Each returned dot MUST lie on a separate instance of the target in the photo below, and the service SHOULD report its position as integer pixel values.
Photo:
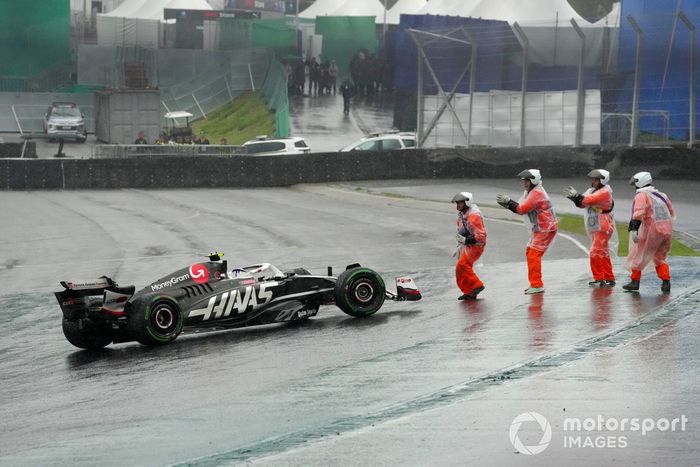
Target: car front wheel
(359, 292)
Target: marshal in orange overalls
(600, 227)
(538, 208)
(471, 222)
(656, 214)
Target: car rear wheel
(359, 292)
(86, 334)
(157, 323)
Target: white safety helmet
(465, 196)
(601, 174)
(641, 179)
(533, 175)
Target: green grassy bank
(239, 121)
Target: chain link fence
(625, 80)
(196, 81)
(275, 93)
(26, 112)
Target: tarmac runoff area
(420, 383)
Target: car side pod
(406, 290)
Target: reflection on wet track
(298, 393)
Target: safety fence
(495, 119)
(54, 77)
(122, 151)
(25, 112)
(275, 93)
(204, 94)
(196, 81)
(626, 79)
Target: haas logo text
(235, 302)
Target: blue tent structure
(609, 63)
(450, 58)
(665, 62)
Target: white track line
(491, 219)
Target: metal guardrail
(121, 151)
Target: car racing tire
(156, 323)
(359, 292)
(85, 334)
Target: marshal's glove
(634, 230)
(465, 240)
(507, 203)
(634, 235)
(503, 200)
(571, 193)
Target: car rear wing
(103, 294)
(81, 288)
(406, 290)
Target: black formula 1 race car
(97, 313)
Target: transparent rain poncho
(655, 211)
(599, 223)
(538, 208)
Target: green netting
(274, 34)
(34, 36)
(79, 88)
(269, 33)
(343, 36)
(274, 91)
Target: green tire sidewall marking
(147, 316)
(349, 281)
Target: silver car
(264, 146)
(65, 120)
(389, 141)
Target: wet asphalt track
(432, 382)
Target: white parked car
(383, 142)
(262, 145)
(65, 120)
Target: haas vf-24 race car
(97, 313)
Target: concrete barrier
(15, 150)
(266, 171)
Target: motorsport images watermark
(594, 432)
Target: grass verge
(570, 223)
(239, 121)
(574, 224)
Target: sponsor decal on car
(406, 283)
(199, 273)
(235, 302)
(170, 282)
(82, 285)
